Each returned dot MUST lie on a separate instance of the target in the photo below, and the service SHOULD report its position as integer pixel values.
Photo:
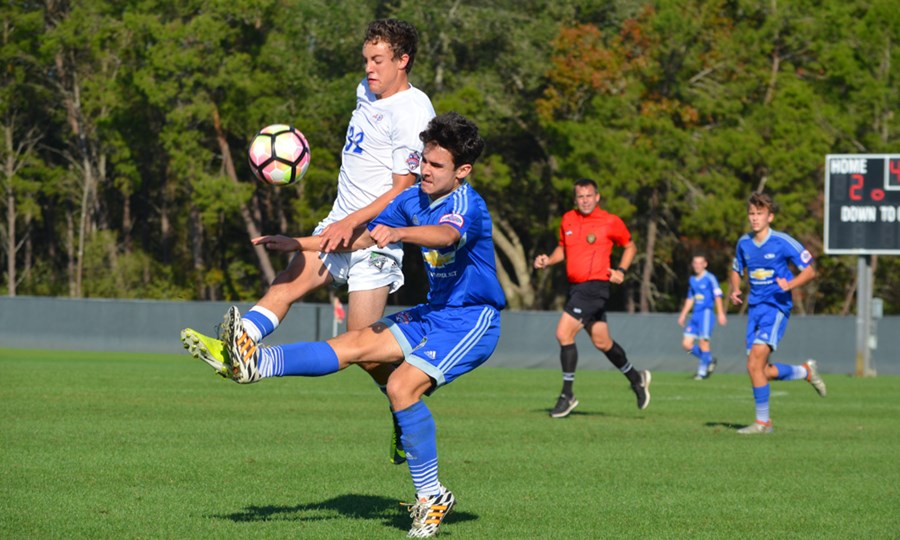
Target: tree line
(126, 124)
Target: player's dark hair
(457, 134)
(585, 182)
(400, 35)
(762, 200)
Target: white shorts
(365, 269)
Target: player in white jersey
(380, 159)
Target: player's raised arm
(339, 234)
(280, 242)
(429, 236)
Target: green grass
(100, 445)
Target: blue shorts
(766, 325)
(701, 325)
(447, 342)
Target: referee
(587, 235)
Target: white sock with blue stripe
(259, 322)
(788, 372)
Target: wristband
(620, 269)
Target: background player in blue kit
(704, 294)
(455, 332)
(764, 255)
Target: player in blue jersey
(764, 255)
(455, 332)
(704, 295)
(379, 161)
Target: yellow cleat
(209, 349)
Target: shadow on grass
(353, 506)
(546, 412)
(724, 425)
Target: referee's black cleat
(564, 405)
(642, 390)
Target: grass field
(100, 445)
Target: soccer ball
(279, 155)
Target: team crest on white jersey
(413, 160)
(377, 117)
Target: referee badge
(591, 238)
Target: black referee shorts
(587, 301)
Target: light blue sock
(311, 359)
(705, 361)
(790, 373)
(420, 442)
(761, 397)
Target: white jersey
(382, 139)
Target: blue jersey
(463, 274)
(704, 289)
(767, 261)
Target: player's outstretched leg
(429, 512)
(242, 349)
(208, 349)
(642, 390)
(813, 377)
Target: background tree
(126, 125)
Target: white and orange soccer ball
(279, 155)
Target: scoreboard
(862, 204)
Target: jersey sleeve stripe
(789, 239)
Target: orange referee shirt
(588, 242)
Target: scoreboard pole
(864, 316)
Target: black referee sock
(568, 358)
(616, 355)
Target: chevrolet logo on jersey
(761, 274)
(699, 297)
(435, 259)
